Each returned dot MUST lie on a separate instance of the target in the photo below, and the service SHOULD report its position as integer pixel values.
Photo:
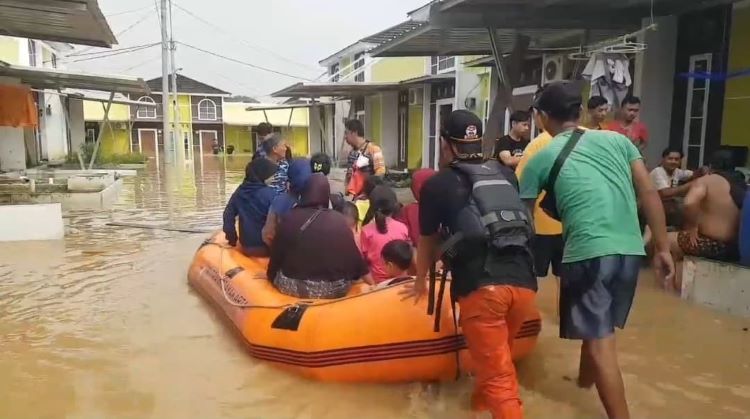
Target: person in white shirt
(672, 181)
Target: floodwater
(104, 325)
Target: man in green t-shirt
(596, 200)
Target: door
(696, 112)
(147, 142)
(207, 141)
(443, 109)
(403, 129)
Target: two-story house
(139, 129)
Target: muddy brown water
(104, 325)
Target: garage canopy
(74, 21)
(49, 78)
(460, 27)
(351, 89)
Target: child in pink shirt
(381, 231)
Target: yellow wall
(398, 69)
(236, 114)
(114, 142)
(9, 50)
(93, 111)
(414, 142)
(240, 137)
(344, 68)
(736, 111)
(186, 111)
(374, 119)
(297, 138)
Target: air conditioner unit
(122, 125)
(416, 96)
(553, 68)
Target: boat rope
(224, 279)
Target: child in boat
(384, 229)
(250, 203)
(398, 256)
(351, 213)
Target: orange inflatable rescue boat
(370, 335)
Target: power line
(234, 60)
(144, 62)
(119, 52)
(235, 37)
(136, 23)
(106, 52)
(128, 11)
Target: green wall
(415, 136)
(114, 142)
(737, 93)
(373, 127)
(297, 138)
(240, 137)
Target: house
(692, 77)
(49, 141)
(399, 99)
(139, 129)
(205, 116)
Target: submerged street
(104, 324)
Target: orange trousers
(485, 316)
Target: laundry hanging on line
(610, 76)
(17, 108)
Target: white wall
(389, 128)
(54, 131)
(31, 222)
(12, 149)
(12, 146)
(341, 114)
(654, 83)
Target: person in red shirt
(628, 124)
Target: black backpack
(494, 214)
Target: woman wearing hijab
(300, 266)
(250, 202)
(299, 173)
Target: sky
(287, 36)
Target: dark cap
(556, 99)
(462, 126)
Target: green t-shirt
(595, 194)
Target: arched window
(207, 110)
(146, 112)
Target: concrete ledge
(721, 286)
(70, 172)
(98, 200)
(31, 222)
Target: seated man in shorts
(712, 215)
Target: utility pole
(179, 143)
(166, 129)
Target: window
(143, 112)
(334, 73)
(359, 108)
(441, 64)
(32, 53)
(359, 62)
(207, 110)
(54, 60)
(90, 135)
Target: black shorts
(596, 295)
(548, 250)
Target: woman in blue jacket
(250, 202)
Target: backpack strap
(567, 149)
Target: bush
(131, 158)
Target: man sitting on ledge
(712, 215)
